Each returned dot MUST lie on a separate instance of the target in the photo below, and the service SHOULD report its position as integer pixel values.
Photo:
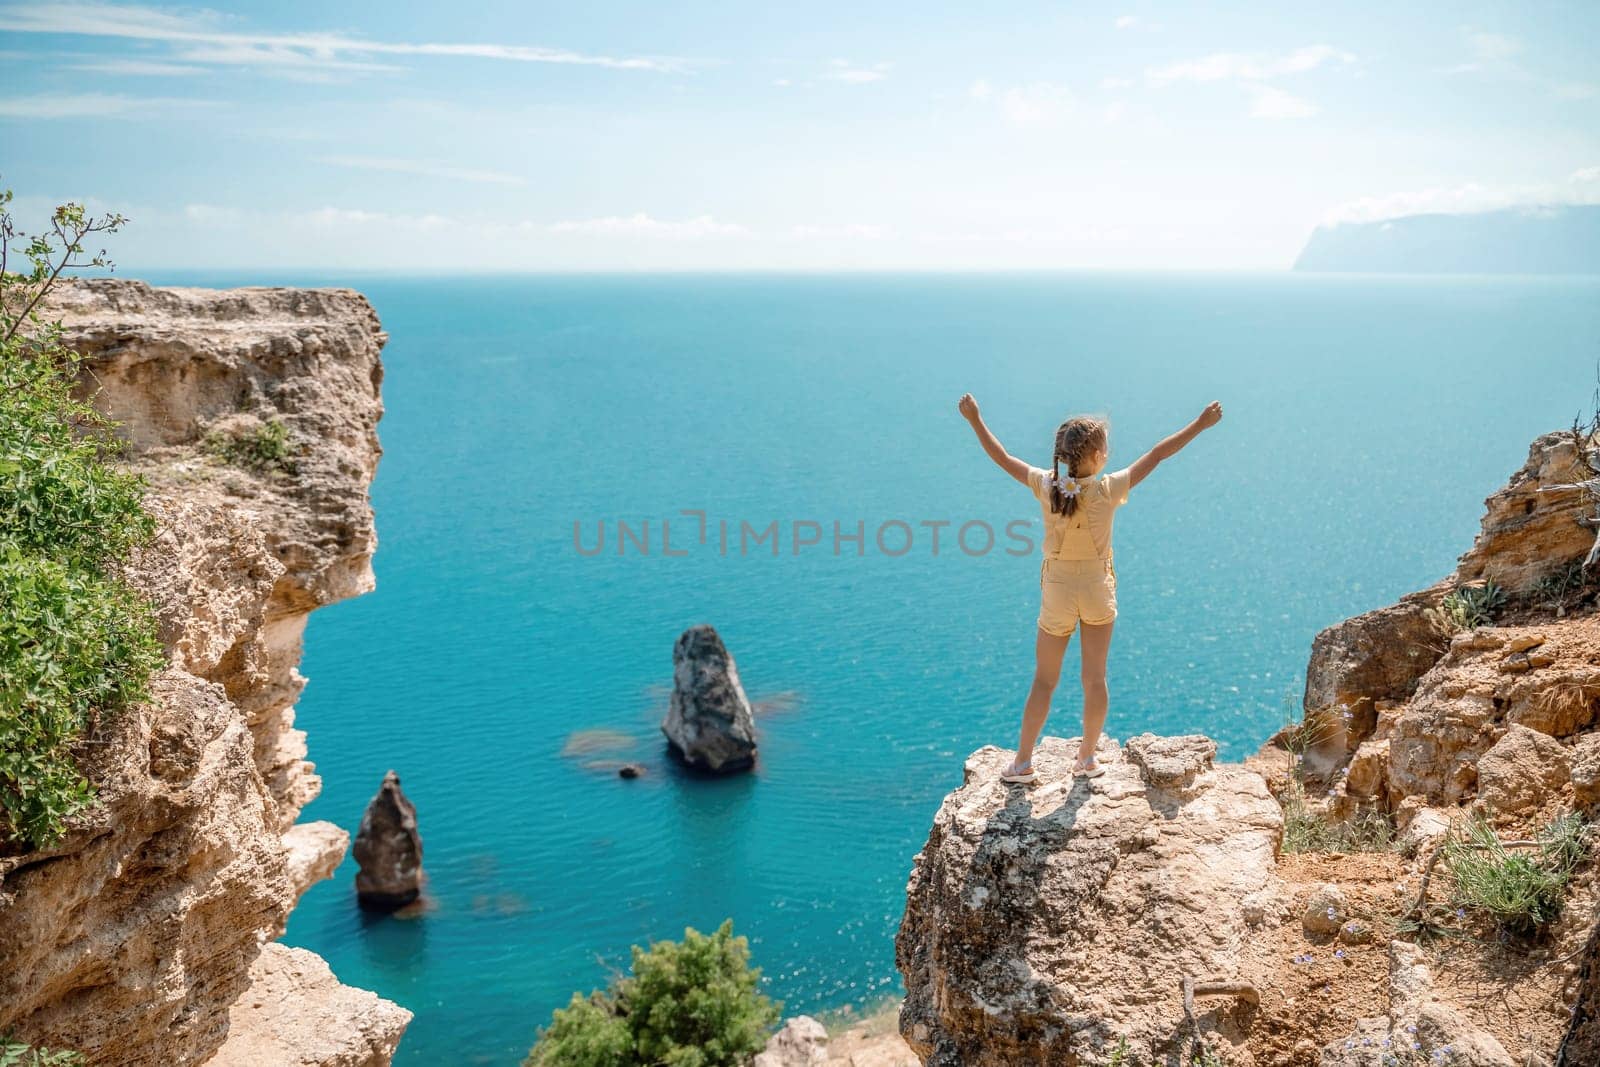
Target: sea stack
(708, 723)
(389, 850)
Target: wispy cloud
(1268, 102)
(1034, 104)
(139, 68)
(643, 225)
(848, 232)
(96, 105)
(1579, 187)
(203, 38)
(842, 70)
(1255, 73)
(1135, 22)
(1234, 66)
(1495, 55)
(423, 168)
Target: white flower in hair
(1067, 485)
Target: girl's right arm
(997, 452)
(1171, 446)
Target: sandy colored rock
(315, 850)
(799, 1042)
(1017, 896)
(1324, 911)
(295, 1013)
(130, 940)
(1521, 771)
(1526, 533)
(1585, 774)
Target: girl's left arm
(991, 444)
(1171, 446)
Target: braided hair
(1077, 440)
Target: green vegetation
(686, 1004)
(1467, 607)
(75, 641)
(16, 1054)
(1308, 828)
(1523, 889)
(265, 448)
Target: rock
(1037, 929)
(1368, 770)
(1375, 656)
(1521, 771)
(1324, 912)
(132, 938)
(297, 1014)
(315, 849)
(389, 850)
(1585, 773)
(801, 1042)
(1523, 642)
(1356, 932)
(1425, 829)
(630, 770)
(1172, 763)
(1526, 533)
(709, 724)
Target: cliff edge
(145, 937)
(1177, 903)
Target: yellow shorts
(1073, 589)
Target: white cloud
(95, 105)
(1579, 187)
(423, 168)
(1493, 47)
(643, 225)
(1234, 66)
(1035, 104)
(857, 232)
(1127, 22)
(1271, 103)
(1116, 83)
(138, 68)
(201, 38)
(841, 70)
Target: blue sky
(598, 135)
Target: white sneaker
(1088, 768)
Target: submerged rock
(389, 850)
(708, 725)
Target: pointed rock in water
(708, 723)
(389, 850)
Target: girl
(1077, 581)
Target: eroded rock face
(1043, 924)
(709, 724)
(389, 850)
(1529, 529)
(131, 939)
(800, 1042)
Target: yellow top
(1086, 533)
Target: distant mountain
(1562, 239)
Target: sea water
(503, 666)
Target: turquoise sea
(1366, 420)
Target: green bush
(686, 1004)
(1467, 607)
(75, 641)
(1522, 890)
(264, 449)
(15, 1054)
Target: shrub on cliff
(75, 641)
(686, 1004)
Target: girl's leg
(1096, 697)
(1047, 653)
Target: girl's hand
(1211, 415)
(968, 407)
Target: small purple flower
(1338, 953)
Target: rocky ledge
(1128, 918)
(145, 936)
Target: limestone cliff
(1128, 918)
(144, 936)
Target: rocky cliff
(145, 937)
(1142, 916)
